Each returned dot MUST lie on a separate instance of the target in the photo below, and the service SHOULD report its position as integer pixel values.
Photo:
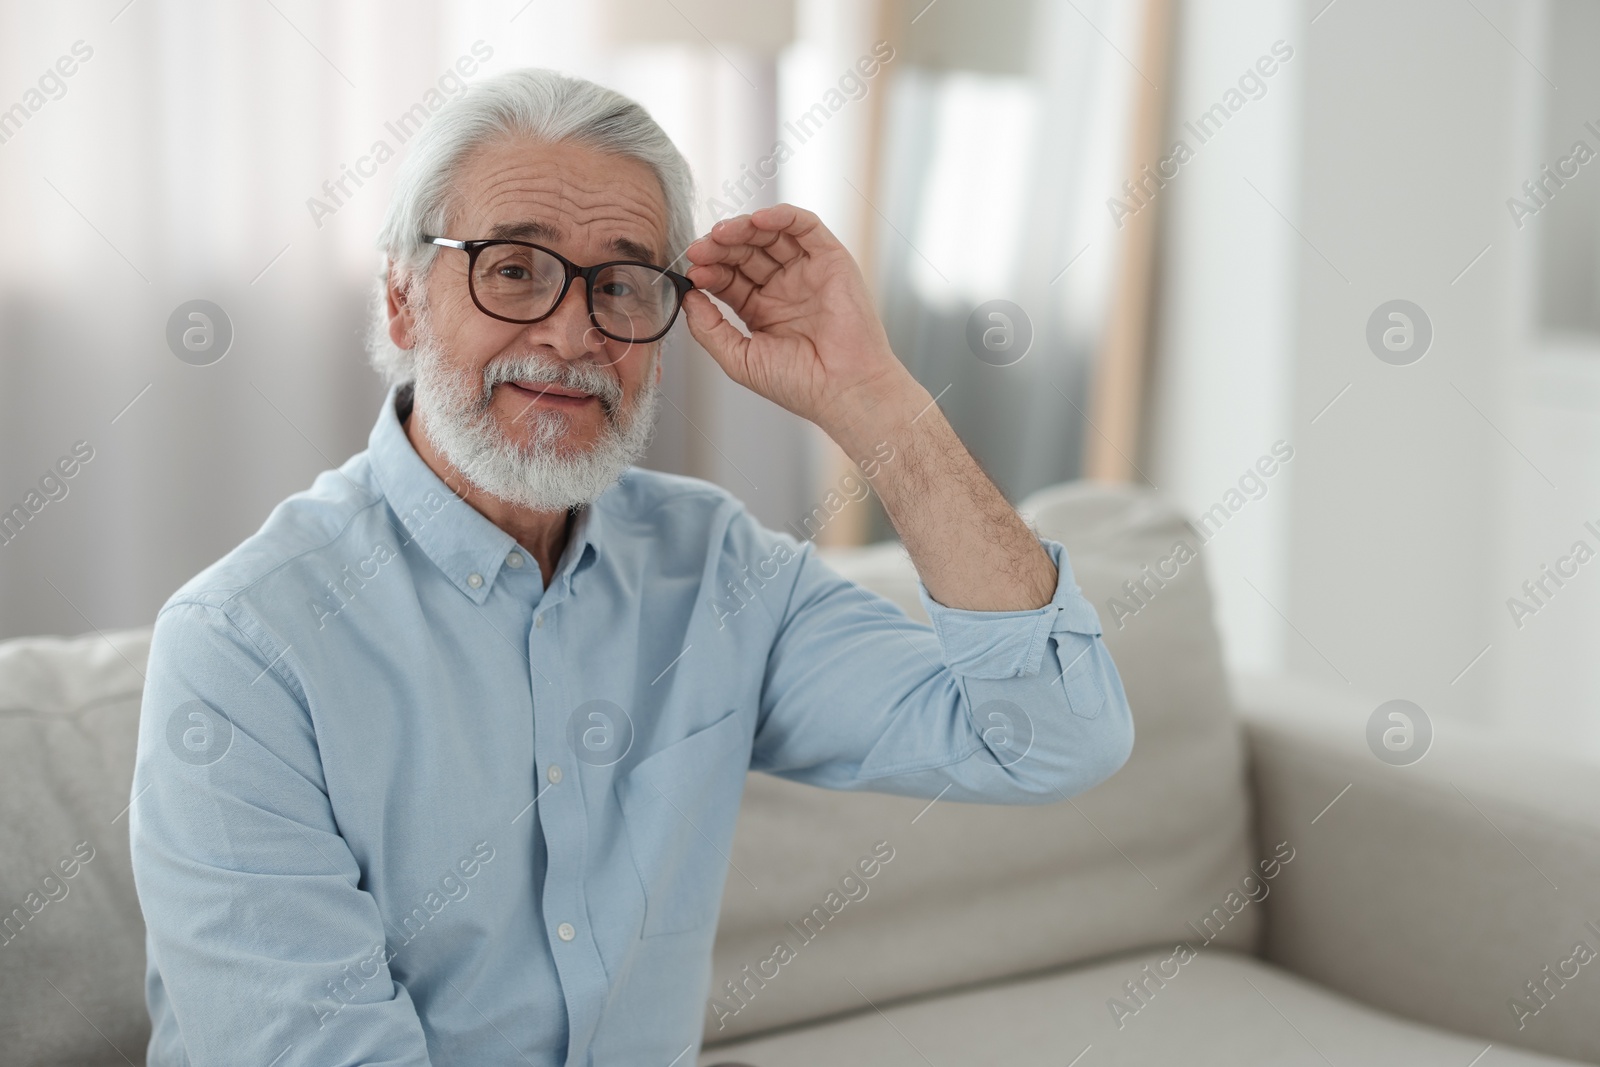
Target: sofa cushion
(72, 943)
(977, 892)
(1218, 1008)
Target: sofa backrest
(71, 937)
(977, 892)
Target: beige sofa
(1255, 887)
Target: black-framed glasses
(518, 281)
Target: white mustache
(583, 377)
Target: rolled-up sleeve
(1010, 707)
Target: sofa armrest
(1462, 890)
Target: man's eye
(514, 273)
(616, 289)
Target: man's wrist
(878, 412)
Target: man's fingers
(718, 243)
(730, 286)
(783, 247)
(742, 230)
(778, 244)
(803, 226)
(713, 277)
(757, 265)
(784, 231)
(749, 258)
(716, 334)
(752, 259)
(737, 230)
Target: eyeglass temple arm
(447, 242)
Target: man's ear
(402, 320)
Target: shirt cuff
(1010, 644)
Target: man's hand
(816, 347)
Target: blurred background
(1352, 241)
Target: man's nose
(574, 336)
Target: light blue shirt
(400, 801)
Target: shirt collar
(458, 538)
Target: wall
(1409, 118)
(1222, 367)
(1376, 167)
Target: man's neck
(543, 534)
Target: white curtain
(240, 153)
(243, 153)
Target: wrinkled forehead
(587, 204)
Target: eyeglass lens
(630, 300)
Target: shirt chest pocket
(679, 806)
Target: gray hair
(539, 104)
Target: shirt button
(538, 624)
(565, 932)
(554, 774)
(474, 579)
(514, 560)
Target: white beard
(546, 474)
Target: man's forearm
(815, 347)
(971, 548)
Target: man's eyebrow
(522, 231)
(536, 230)
(632, 250)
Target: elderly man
(441, 766)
